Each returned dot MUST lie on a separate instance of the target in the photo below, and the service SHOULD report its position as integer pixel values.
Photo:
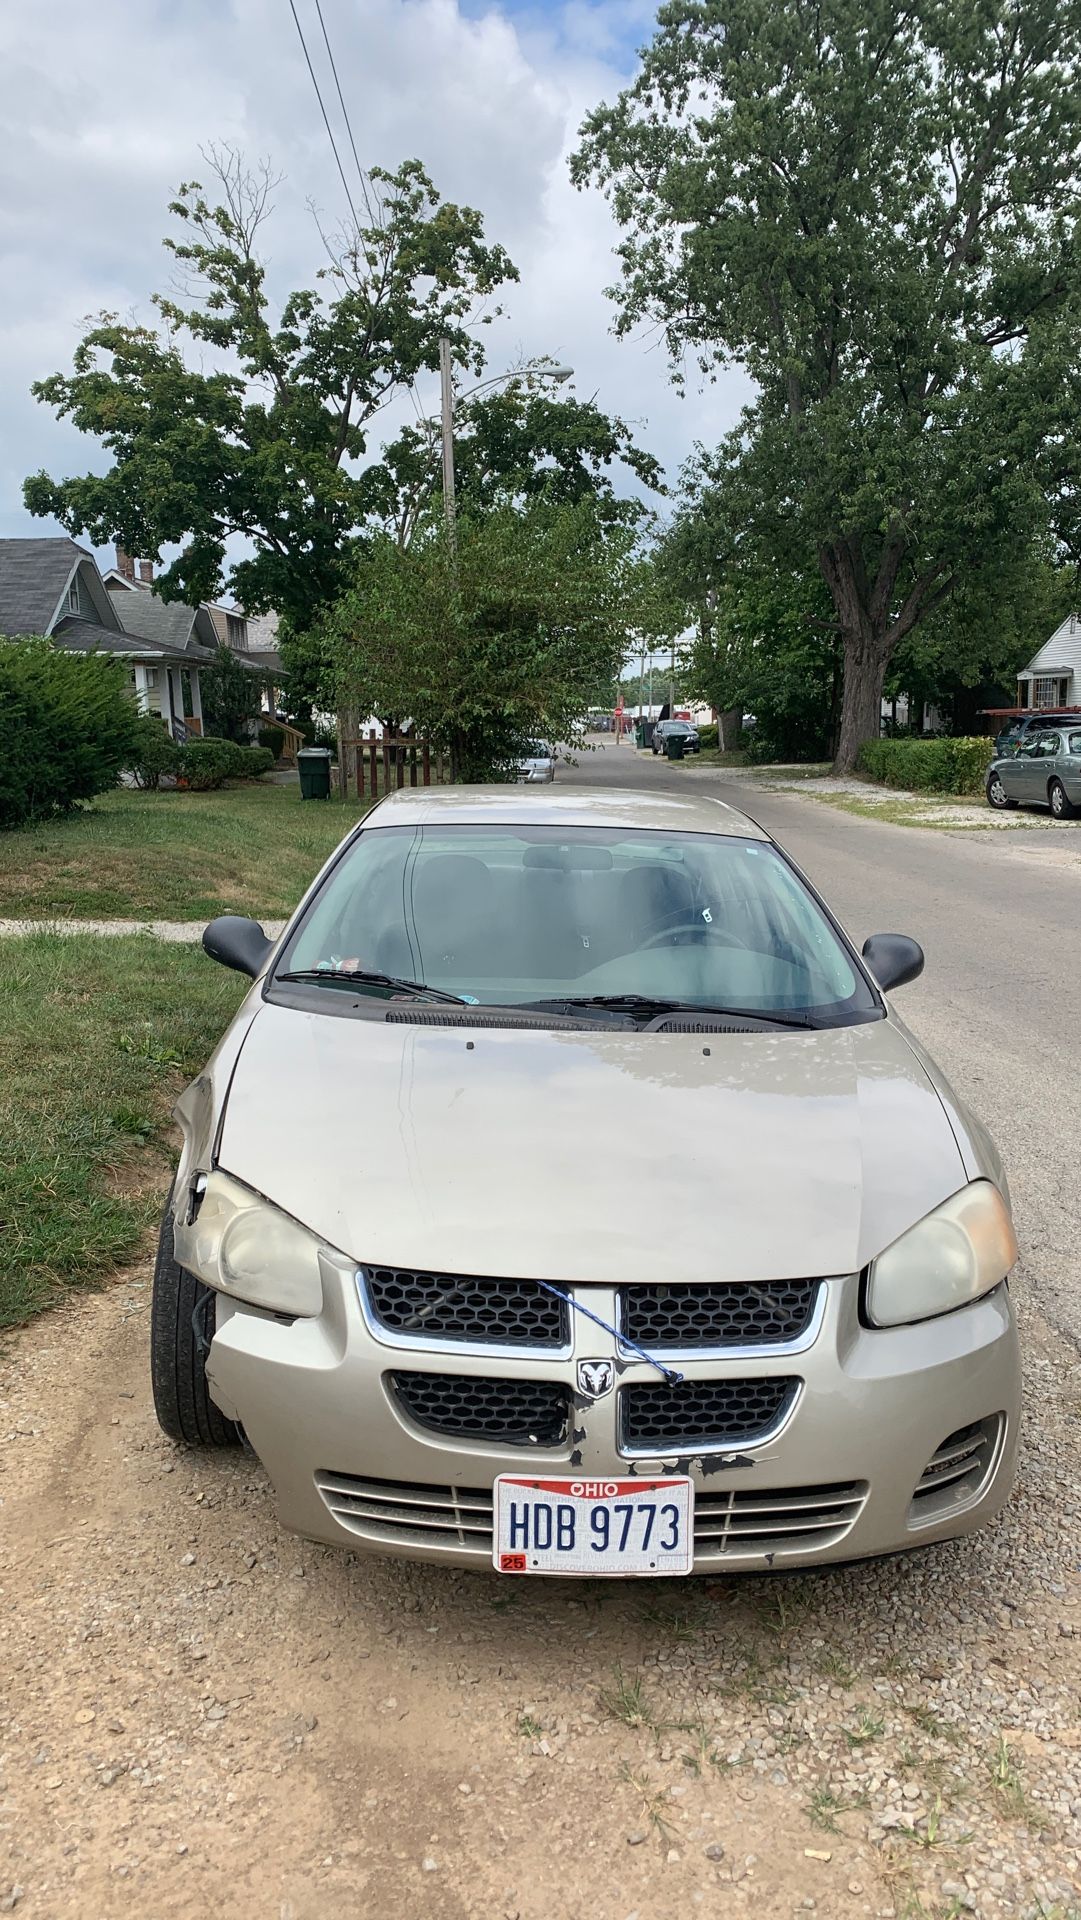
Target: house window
(75, 605)
(1045, 691)
(236, 631)
(151, 674)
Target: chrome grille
(693, 1414)
(776, 1520)
(956, 1471)
(683, 1317)
(444, 1306)
(769, 1520)
(515, 1413)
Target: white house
(1053, 677)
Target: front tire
(1062, 807)
(182, 1400)
(996, 794)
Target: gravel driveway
(202, 1714)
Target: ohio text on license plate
(593, 1526)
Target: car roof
(660, 812)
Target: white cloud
(104, 110)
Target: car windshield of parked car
(1073, 743)
(507, 915)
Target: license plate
(593, 1526)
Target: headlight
(242, 1245)
(960, 1251)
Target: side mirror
(237, 943)
(893, 958)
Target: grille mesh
(703, 1413)
(778, 1521)
(720, 1316)
(451, 1307)
(517, 1413)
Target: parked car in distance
(540, 763)
(1045, 771)
(1026, 724)
(462, 1307)
(664, 730)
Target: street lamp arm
(446, 416)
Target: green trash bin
(313, 764)
(676, 745)
(640, 734)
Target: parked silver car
(566, 1196)
(1045, 771)
(539, 764)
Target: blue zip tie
(670, 1373)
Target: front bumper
(837, 1480)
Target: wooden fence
(374, 764)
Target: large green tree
(515, 446)
(485, 642)
(872, 206)
(236, 420)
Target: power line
(345, 110)
(323, 111)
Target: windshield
(508, 915)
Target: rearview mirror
(237, 943)
(893, 958)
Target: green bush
(928, 766)
(255, 761)
(273, 739)
(209, 762)
(204, 764)
(155, 751)
(67, 724)
(708, 736)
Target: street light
(446, 387)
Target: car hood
(586, 1156)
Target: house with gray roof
(52, 586)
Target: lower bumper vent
(776, 1521)
(957, 1471)
(513, 1413)
(704, 1413)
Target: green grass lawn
(97, 1037)
(173, 856)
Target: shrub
(155, 751)
(708, 736)
(209, 762)
(67, 723)
(273, 739)
(928, 766)
(254, 762)
(203, 764)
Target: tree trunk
(348, 729)
(729, 724)
(866, 656)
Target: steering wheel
(704, 929)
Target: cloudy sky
(104, 110)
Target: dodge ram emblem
(596, 1377)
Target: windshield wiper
(363, 977)
(649, 1007)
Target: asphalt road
(999, 918)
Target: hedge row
(928, 766)
(67, 726)
(199, 764)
